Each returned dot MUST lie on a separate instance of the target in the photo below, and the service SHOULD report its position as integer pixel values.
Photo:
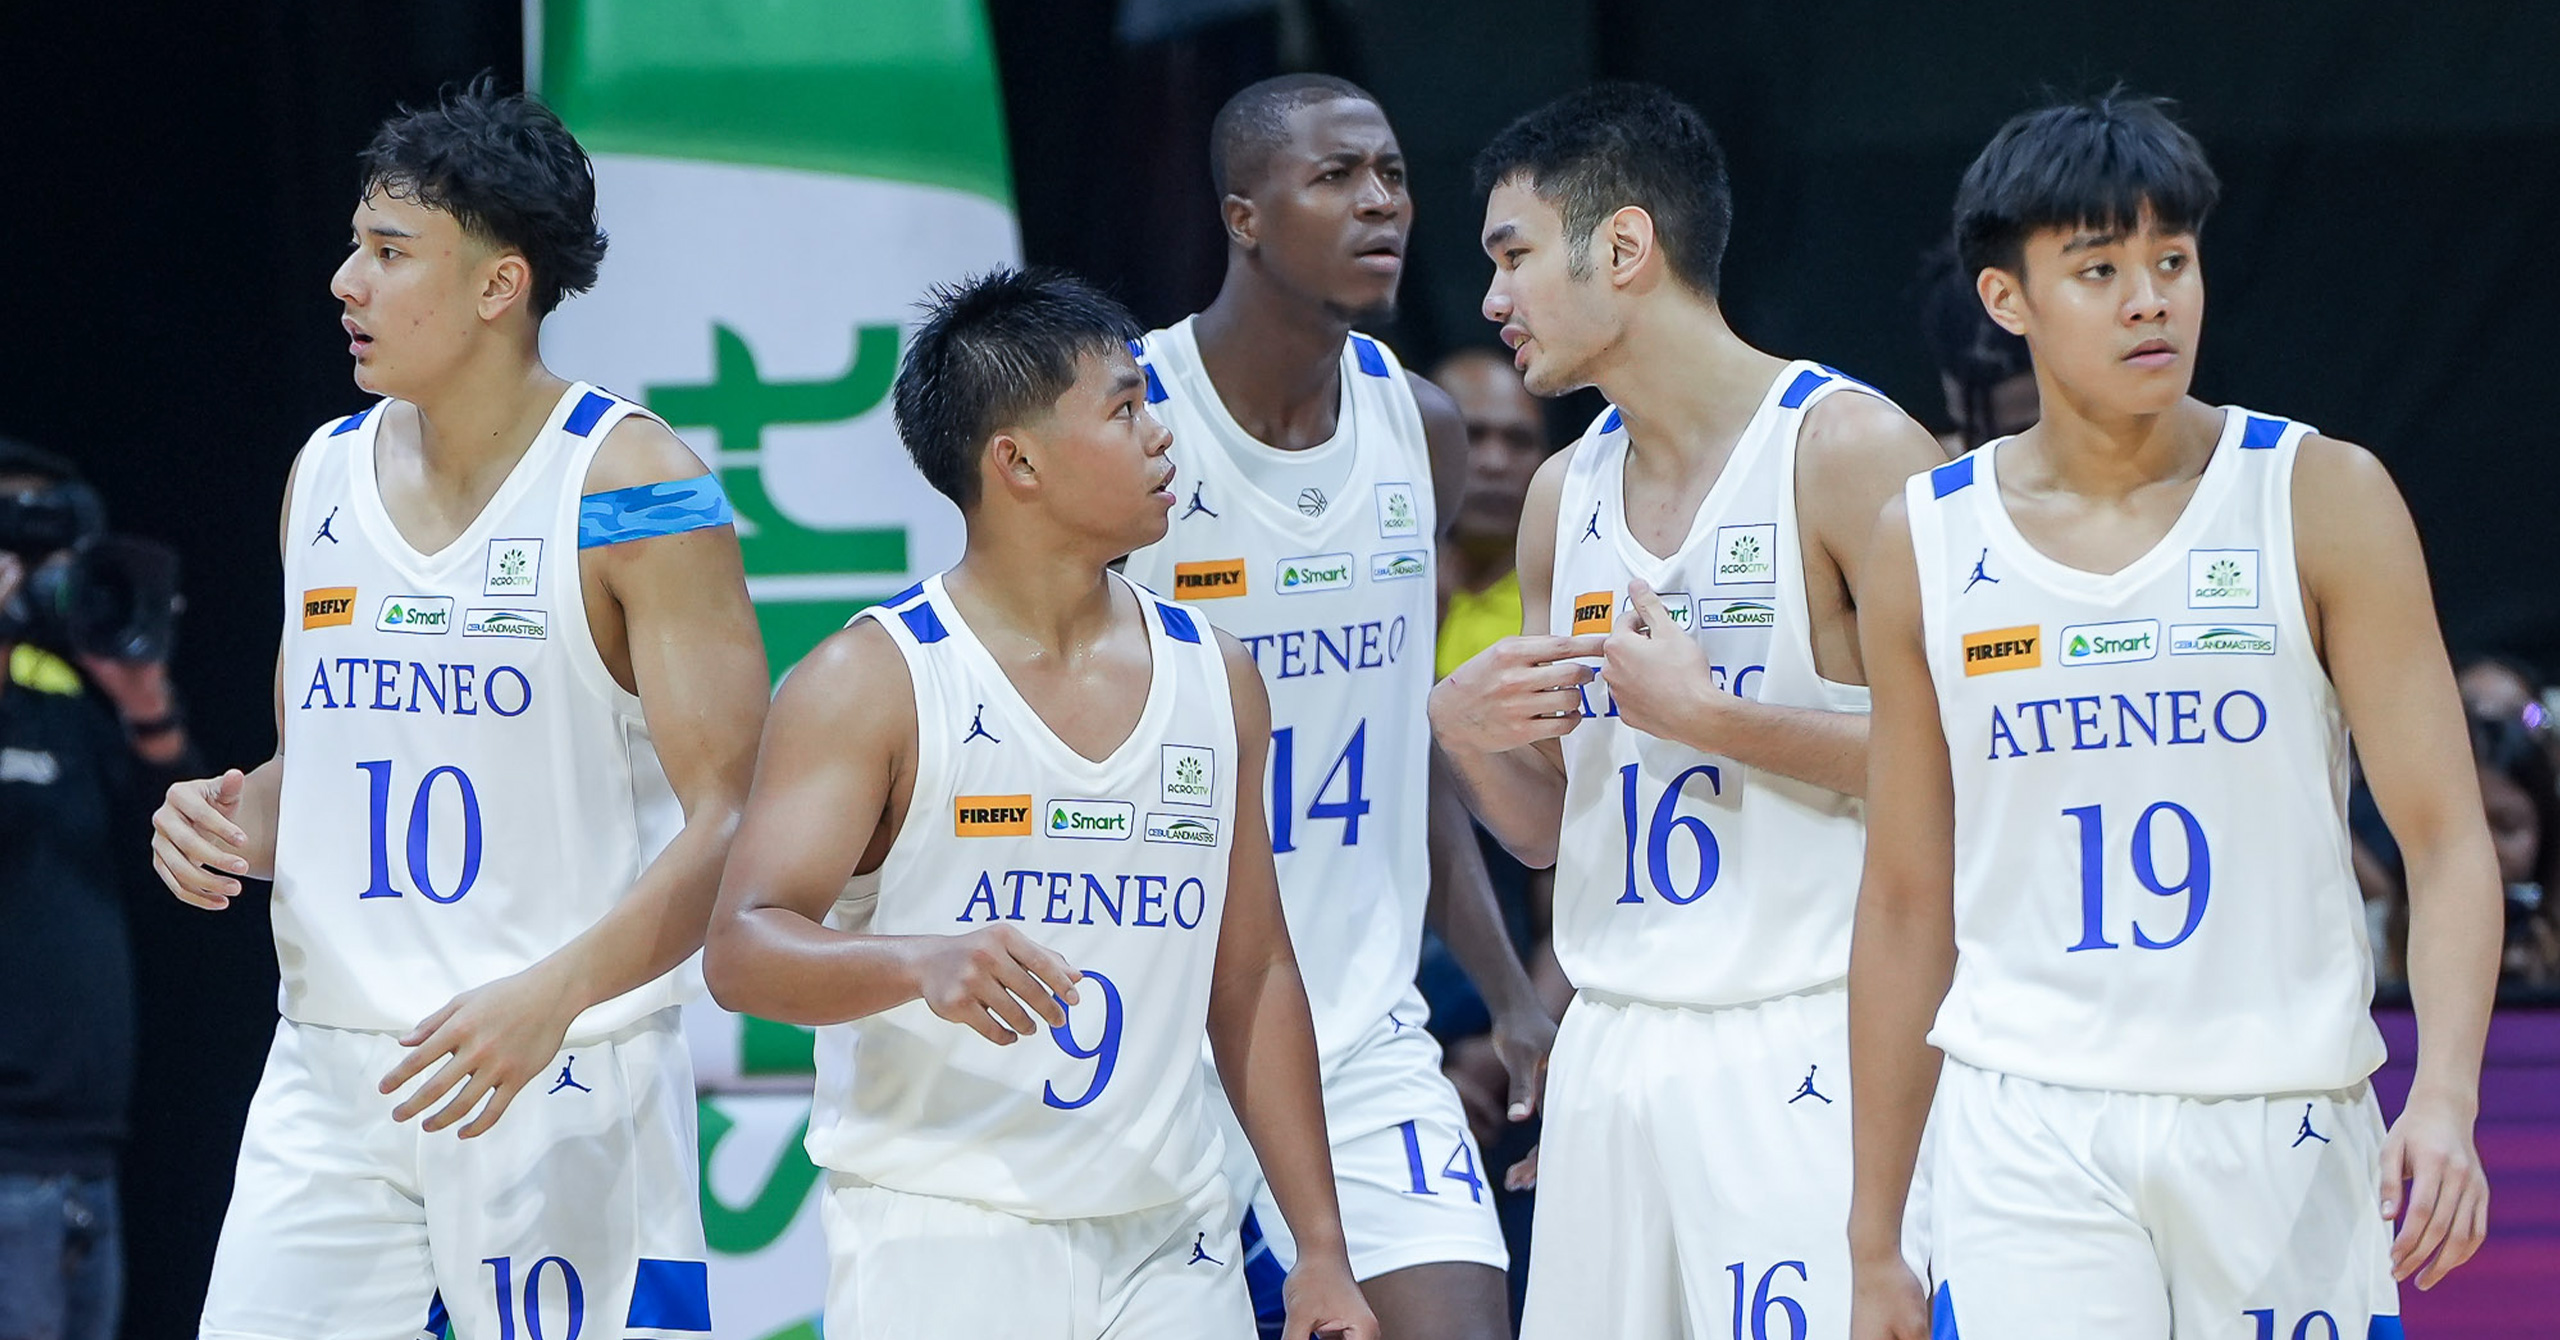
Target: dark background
(179, 178)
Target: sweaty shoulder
(1245, 687)
(640, 450)
(1856, 433)
(855, 683)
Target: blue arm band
(650, 510)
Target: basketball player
(518, 697)
(1315, 465)
(2113, 683)
(1699, 799)
(1052, 778)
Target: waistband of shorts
(670, 1019)
(2348, 1093)
(1837, 986)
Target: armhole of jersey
(1928, 555)
(2292, 615)
(572, 601)
(1400, 377)
(1842, 695)
(933, 787)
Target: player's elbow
(728, 972)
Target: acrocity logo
(1746, 555)
(2222, 578)
(1209, 579)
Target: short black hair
(2093, 163)
(19, 459)
(1255, 123)
(995, 350)
(1595, 151)
(507, 170)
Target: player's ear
(507, 282)
(1242, 224)
(1629, 235)
(1008, 463)
(2003, 297)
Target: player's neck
(485, 415)
(1274, 359)
(1685, 383)
(1015, 593)
(2082, 447)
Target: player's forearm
(776, 964)
(2456, 919)
(1264, 1042)
(1901, 959)
(1517, 794)
(1470, 916)
(659, 923)
(1826, 749)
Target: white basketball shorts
(578, 1213)
(2125, 1216)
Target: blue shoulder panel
(646, 511)
(1155, 389)
(1366, 350)
(1863, 386)
(349, 423)
(1177, 623)
(671, 1296)
(1800, 389)
(591, 407)
(1951, 476)
(923, 622)
(1609, 422)
(2261, 433)
(904, 596)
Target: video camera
(86, 592)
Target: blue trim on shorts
(646, 511)
(1942, 1314)
(672, 1296)
(437, 1318)
(2384, 1328)
(1263, 1278)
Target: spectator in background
(77, 777)
(2501, 688)
(2517, 789)
(1983, 370)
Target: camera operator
(90, 734)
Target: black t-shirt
(71, 815)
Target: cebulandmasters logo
(1996, 649)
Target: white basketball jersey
(1685, 878)
(1335, 598)
(2152, 890)
(1119, 866)
(466, 788)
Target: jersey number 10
(378, 805)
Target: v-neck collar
(1273, 512)
(1737, 464)
(376, 518)
(1063, 756)
(2179, 537)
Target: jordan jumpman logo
(1592, 530)
(1806, 1089)
(978, 728)
(1200, 1252)
(1979, 574)
(325, 533)
(1198, 508)
(567, 1080)
(2306, 1133)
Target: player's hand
(493, 1039)
(1523, 1176)
(1659, 676)
(1522, 1037)
(196, 848)
(995, 981)
(1323, 1300)
(1519, 690)
(2430, 1155)
(1886, 1302)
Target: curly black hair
(507, 170)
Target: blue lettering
(1199, 903)
(1395, 639)
(351, 664)
(1150, 894)
(1111, 900)
(1293, 654)
(1370, 659)
(463, 675)
(319, 687)
(386, 680)
(2225, 731)
(2044, 736)
(1341, 654)
(1019, 878)
(2084, 718)
(1060, 885)
(984, 893)
(422, 687)
(1742, 681)
(489, 690)
(1253, 645)
(2125, 713)
(2000, 731)
(2186, 707)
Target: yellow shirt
(1476, 620)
